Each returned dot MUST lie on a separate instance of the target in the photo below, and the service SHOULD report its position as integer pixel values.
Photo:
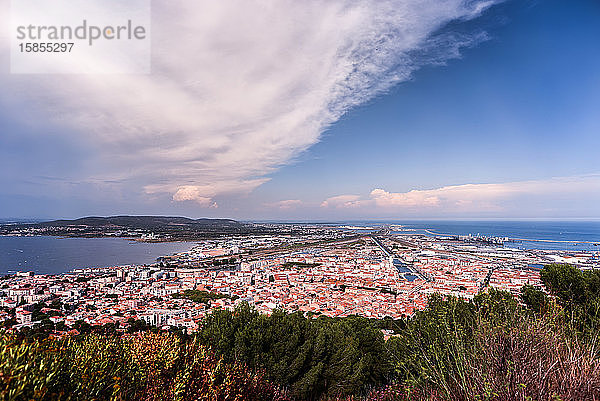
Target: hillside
(543, 346)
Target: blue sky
(470, 111)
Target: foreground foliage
(142, 367)
(311, 357)
(494, 347)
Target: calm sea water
(53, 255)
(565, 234)
(559, 231)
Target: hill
(157, 228)
(141, 222)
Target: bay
(55, 255)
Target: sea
(55, 255)
(578, 236)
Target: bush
(312, 357)
(141, 367)
(578, 292)
(491, 348)
(534, 298)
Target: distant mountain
(143, 222)
(163, 227)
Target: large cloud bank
(239, 88)
(533, 197)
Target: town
(331, 272)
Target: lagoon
(55, 255)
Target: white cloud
(239, 88)
(410, 199)
(286, 204)
(477, 198)
(342, 201)
(193, 193)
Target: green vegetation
(223, 262)
(541, 346)
(535, 299)
(578, 292)
(495, 348)
(311, 357)
(299, 265)
(201, 296)
(140, 367)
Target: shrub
(147, 366)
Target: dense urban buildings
(332, 272)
